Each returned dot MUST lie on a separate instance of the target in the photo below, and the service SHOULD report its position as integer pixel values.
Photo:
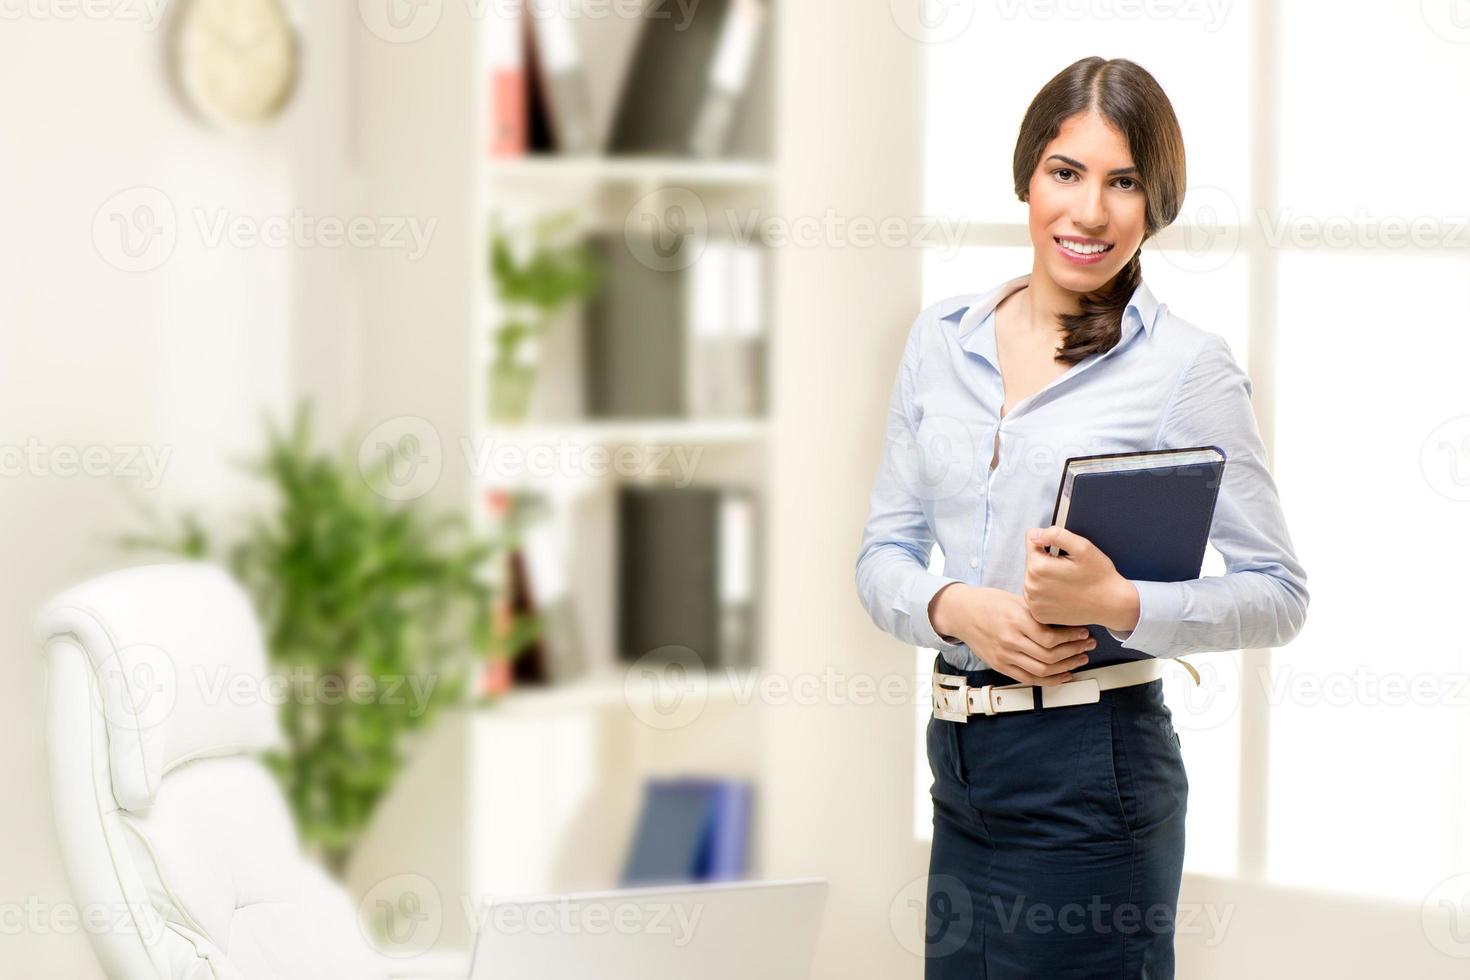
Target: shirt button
(974, 562)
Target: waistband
(1146, 694)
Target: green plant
(531, 289)
(377, 611)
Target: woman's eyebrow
(1083, 167)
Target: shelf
(609, 689)
(629, 432)
(651, 171)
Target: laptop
(715, 931)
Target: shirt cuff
(921, 593)
(1160, 608)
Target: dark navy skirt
(1058, 840)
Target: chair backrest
(177, 840)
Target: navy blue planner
(1150, 512)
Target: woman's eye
(1132, 184)
(1061, 172)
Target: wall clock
(236, 62)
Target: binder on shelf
(690, 830)
(633, 346)
(667, 81)
(540, 137)
(724, 323)
(505, 72)
(497, 673)
(1150, 512)
(729, 76)
(562, 77)
(686, 573)
(561, 649)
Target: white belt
(955, 700)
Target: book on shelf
(505, 70)
(685, 79)
(685, 343)
(728, 78)
(538, 97)
(633, 342)
(686, 559)
(680, 94)
(560, 649)
(724, 325)
(534, 621)
(497, 672)
(691, 829)
(563, 77)
(540, 136)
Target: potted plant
(536, 272)
(358, 593)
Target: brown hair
(1130, 98)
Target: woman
(1058, 820)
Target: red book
(506, 74)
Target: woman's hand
(1000, 630)
(1079, 589)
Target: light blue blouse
(1166, 384)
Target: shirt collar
(977, 331)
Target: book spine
(729, 75)
(563, 76)
(506, 74)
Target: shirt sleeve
(893, 577)
(1261, 600)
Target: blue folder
(690, 830)
(1153, 521)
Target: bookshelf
(557, 173)
(539, 792)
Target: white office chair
(170, 827)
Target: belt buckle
(947, 690)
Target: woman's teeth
(1082, 249)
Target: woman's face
(1085, 192)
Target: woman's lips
(1072, 256)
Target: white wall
(183, 359)
(840, 776)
